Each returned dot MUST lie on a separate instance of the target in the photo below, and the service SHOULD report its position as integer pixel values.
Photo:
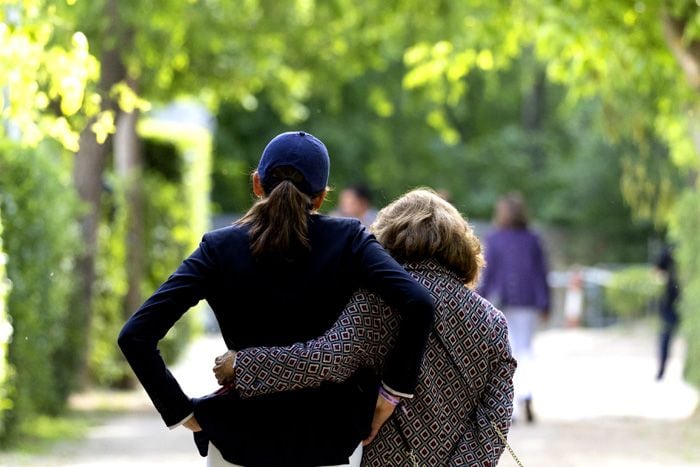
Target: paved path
(138, 437)
(598, 404)
(596, 400)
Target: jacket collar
(431, 265)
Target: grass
(691, 435)
(41, 433)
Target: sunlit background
(129, 128)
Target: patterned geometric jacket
(465, 381)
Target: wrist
(395, 393)
(390, 398)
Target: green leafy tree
(640, 60)
(46, 72)
(687, 254)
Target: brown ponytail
(279, 222)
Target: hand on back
(224, 370)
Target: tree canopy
(46, 69)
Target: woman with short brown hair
(464, 394)
(422, 225)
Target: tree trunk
(87, 176)
(688, 56)
(534, 106)
(128, 159)
(88, 167)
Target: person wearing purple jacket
(515, 280)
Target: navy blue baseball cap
(299, 150)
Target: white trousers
(522, 324)
(215, 459)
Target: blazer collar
(431, 265)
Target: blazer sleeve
(139, 337)
(352, 342)
(496, 404)
(411, 300)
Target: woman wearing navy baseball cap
(281, 274)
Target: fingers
(220, 378)
(192, 424)
(218, 373)
(220, 359)
(223, 367)
(221, 373)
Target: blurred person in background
(666, 267)
(574, 298)
(465, 389)
(515, 280)
(279, 275)
(356, 201)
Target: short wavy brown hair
(420, 225)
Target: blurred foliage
(231, 51)
(41, 239)
(631, 291)
(5, 336)
(577, 182)
(177, 210)
(176, 183)
(685, 228)
(106, 364)
(41, 433)
(169, 240)
(615, 52)
(46, 72)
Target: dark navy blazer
(272, 302)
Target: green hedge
(685, 231)
(631, 290)
(105, 363)
(5, 335)
(41, 239)
(168, 241)
(169, 238)
(177, 210)
(176, 190)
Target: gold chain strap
(510, 450)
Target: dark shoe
(660, 374)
